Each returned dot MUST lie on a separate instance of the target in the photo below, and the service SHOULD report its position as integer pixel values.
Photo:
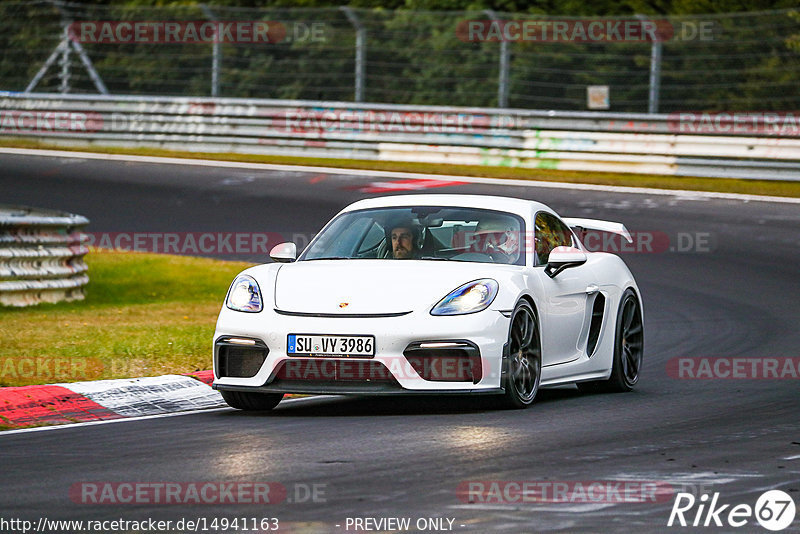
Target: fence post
(655, 72)
(216, 52)
(502, 79)
(63, 61)
(361, 45)
(655, 77)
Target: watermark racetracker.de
(200, 492)
(51, 121)
(196, 32)
(755, 123)
(592, 30)
(734, 368)
(56, 369)
(563, 491)
(375, 121)
(229, 243)
(205, 243)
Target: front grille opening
(598, 310)
(325, 375)
(462, 364)
(240, 362)
(331, 370)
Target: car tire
(522, 370)
(628, 349)
(244, 400)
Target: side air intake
(598, 310)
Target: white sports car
(432, 294)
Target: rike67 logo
(774, 510)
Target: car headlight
(472, 297)
(244, 296)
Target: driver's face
(402, 243)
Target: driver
(403, 237)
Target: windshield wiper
(329, 258)
(434, 258)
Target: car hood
(369, 286)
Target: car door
(565, 296)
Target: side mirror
(284, 253)
(561, 258)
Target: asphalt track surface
(736, 296)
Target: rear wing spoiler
(602, 226)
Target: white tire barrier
(41, 256)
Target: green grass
(144, 315)
(723, 185)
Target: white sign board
(597, 97)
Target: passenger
(499, 238)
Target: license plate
(338, 346)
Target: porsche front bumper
(414, 353)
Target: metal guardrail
(41, 256)
(577, 141)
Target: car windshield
(422, 233)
